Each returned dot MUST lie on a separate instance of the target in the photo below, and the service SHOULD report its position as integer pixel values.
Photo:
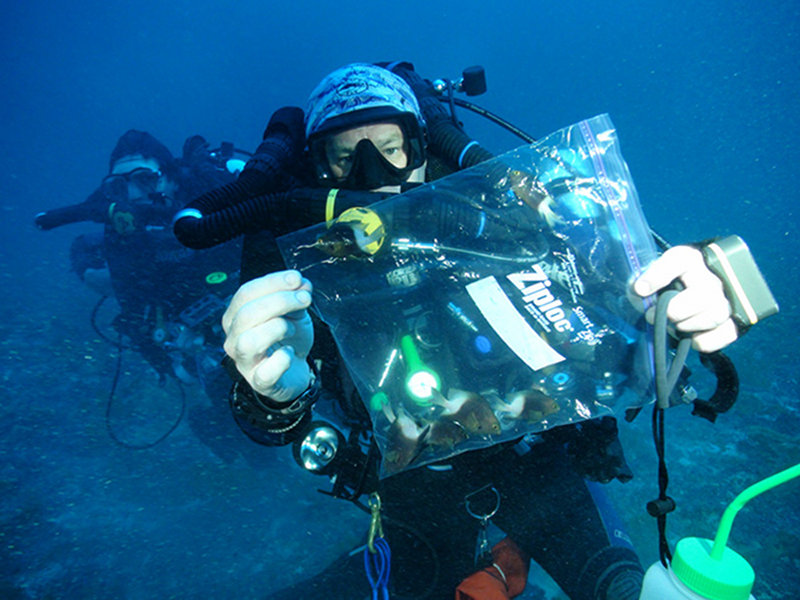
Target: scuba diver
(169, 297)
(371, 131)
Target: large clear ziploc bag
(492, 303)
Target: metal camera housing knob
(317, 450)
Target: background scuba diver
(352, 122)
(169, 297)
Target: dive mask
(116, 187)
(369, 168)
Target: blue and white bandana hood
(341, 95)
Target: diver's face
(387, 138)
(139, 179)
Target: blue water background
(705, 99)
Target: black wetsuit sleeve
(94, 208)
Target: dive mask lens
(414, 135)
(370, 169)
(319, 159)
(145, 179)
(117, 187)
(367, 168)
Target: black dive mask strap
(372, 170)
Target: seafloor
(206, 513)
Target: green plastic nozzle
(713, 570)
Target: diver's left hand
(701, 309)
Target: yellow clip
(329, 206)
(375, 527)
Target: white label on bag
(510, 325)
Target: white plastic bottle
(694, 574)
(704, 569)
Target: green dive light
(421, 380)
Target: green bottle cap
(710, 568)
(729, 577)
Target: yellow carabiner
(375, 526)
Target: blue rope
(377, 567)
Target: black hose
(267, 171)
(456, 146)
(666, 377)
(228, 211)
(109, 427)
(217, 221)
(93, 319)
(496, 119)
(445, 138)
(726, 391)
(117, 371)
(223, 214)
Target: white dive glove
(701, 308)
(269, 334)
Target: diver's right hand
(269, 334)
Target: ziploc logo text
(510, 325)
(539, 300)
